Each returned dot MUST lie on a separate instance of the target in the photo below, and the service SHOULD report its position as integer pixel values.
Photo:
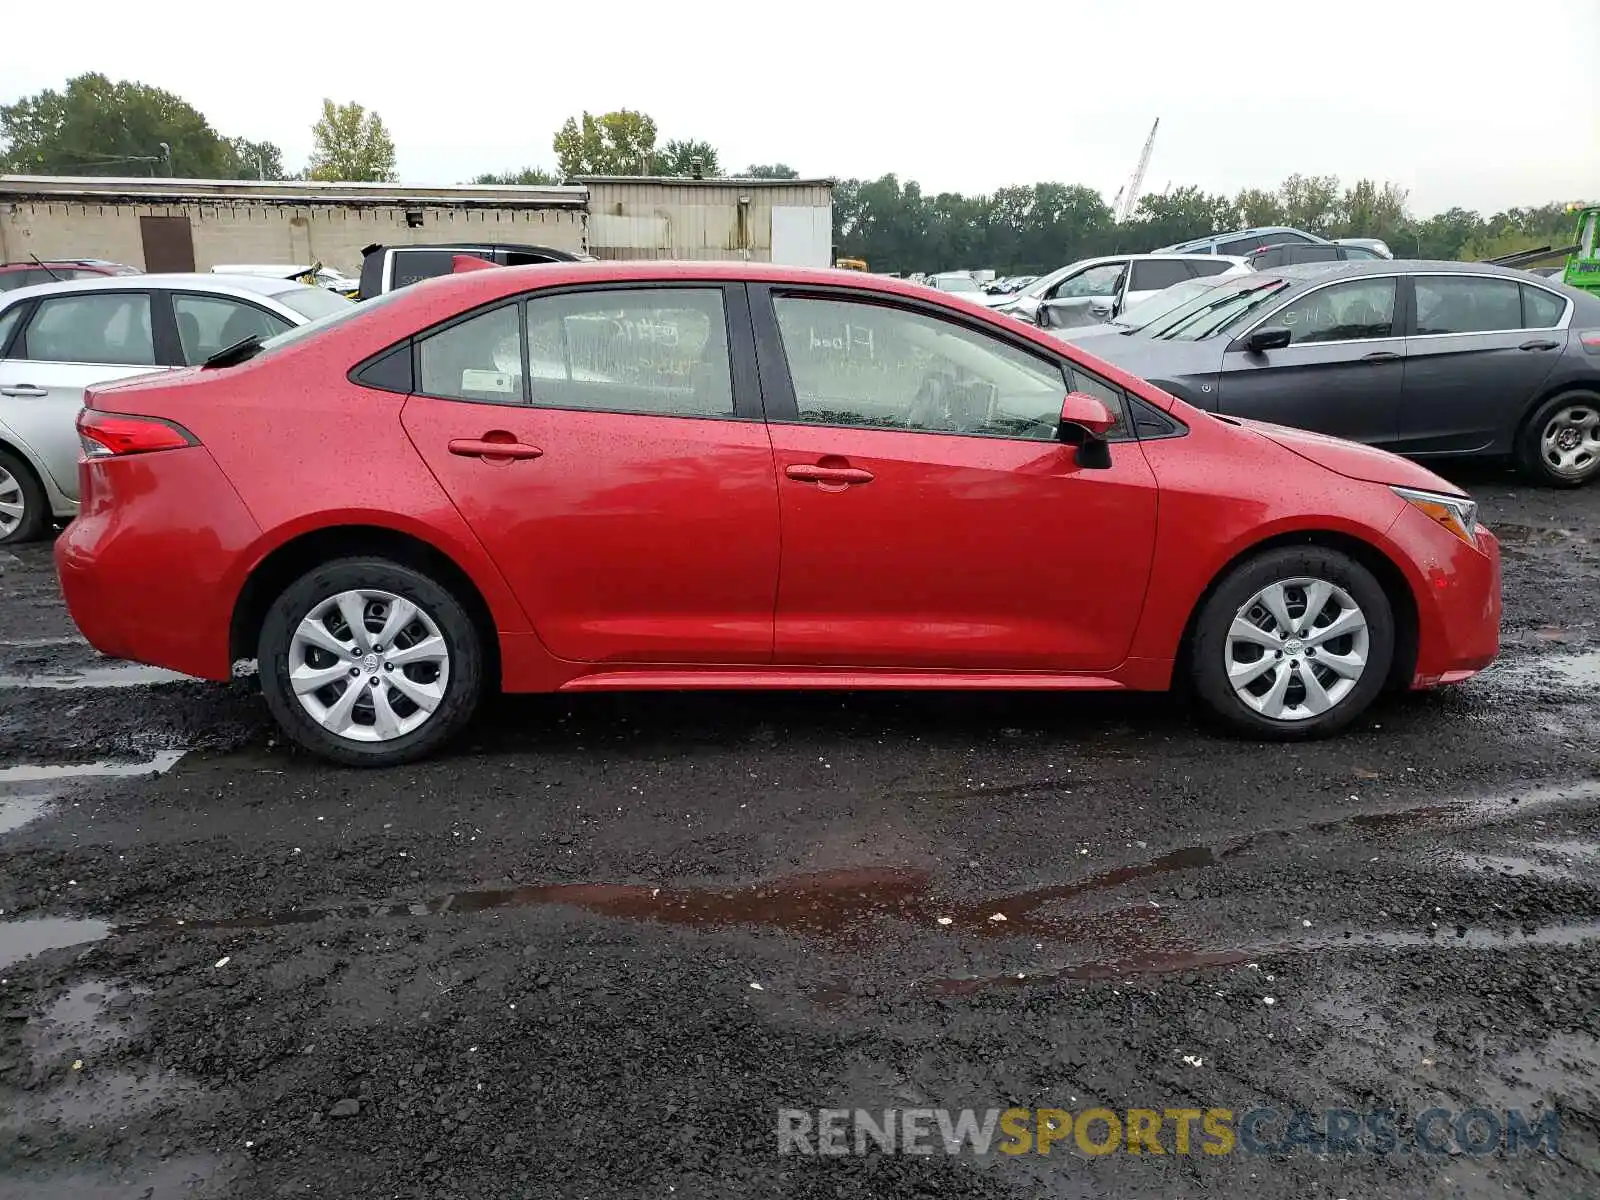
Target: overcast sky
(1479, 108)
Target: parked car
(401, 514)
(1093, 290)
(1148, 312)
(958, 281)
(1427, 359)
(1377, 245)
(1288, 254)
(27, 274)
(1244, 242)
(313, 273)
(384, 268)
(58, 338)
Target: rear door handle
(1381, 356)
(1538, 344)
(491, 449)
(23, 389)
(843, 476)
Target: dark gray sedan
(1422, 358)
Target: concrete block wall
(253, 232)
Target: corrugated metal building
(786, 221)
(195, 224)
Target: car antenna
(47, 270)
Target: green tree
(614, 143)
(678, 155)
(771, 171)
(1311, 202)
(97, 127)
(350, 144)
(255, 160)
(1256, 207)
(528, 176)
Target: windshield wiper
(243, 350)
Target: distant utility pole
(166, 157)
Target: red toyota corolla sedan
(583, 477)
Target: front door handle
(491, 448)
(23, 389)
(1538, 344)
(837, 476)
(1381, 356)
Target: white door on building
(802, 235)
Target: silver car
(1093, 290)
(58, 338)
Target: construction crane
(1128, 198)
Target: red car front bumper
(1457, 589)
(145, 568)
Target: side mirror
(1085, 421)
(1048, 316)
(1272, 337)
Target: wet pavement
(599, 948)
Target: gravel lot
(595, 951)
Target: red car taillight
(113, 435)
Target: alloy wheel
(1297, 648)
(368, 665)
(13, 503)
(1570, 444)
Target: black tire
(463, 685)
(1530, 457)
(1208, 651)
(35, 504)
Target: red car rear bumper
(144, 567)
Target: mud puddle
(1579, 672)
(35, 935)
(1170, 960)
(17, 811)
(1536, 535)
(119, 675)
(1469, 810)
(158, 764)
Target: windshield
(1137, 316)
(313, 302)
(957, 283)
(1215, 311)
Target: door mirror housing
(1087, 414)
(1085, 421)
(1271, 337)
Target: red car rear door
(930, 517)
(606, 445)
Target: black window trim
(777, 387)
(159, 344)
(14, 337)
(747, 398)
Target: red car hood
(1352, 459)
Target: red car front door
(930, 517)
(614, 464)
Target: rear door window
(1540, 309)
(476, 359)
(98, 327)
(207, 324)
(1210, 265)
(1467, 304)
(413, 266)
(657, 351)
(1155, 274)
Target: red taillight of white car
(116, 435)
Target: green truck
(1583, 264)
